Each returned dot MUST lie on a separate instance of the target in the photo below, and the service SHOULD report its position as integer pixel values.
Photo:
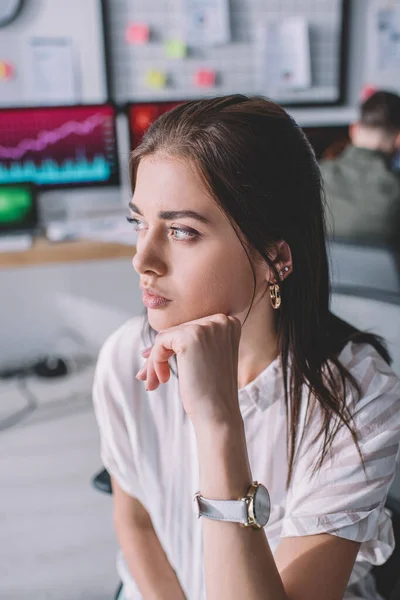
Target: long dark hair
(261, 170)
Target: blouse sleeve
(110, 391)
(341, 499)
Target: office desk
(86, 286)
(45, 252)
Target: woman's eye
(182, 234)
(178, 233)
(137, 223)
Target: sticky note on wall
(6, 70)
(366, 91)
(156, 79)
(205, 78)
(137, 33)
(175, 49)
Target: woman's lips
(153, 300)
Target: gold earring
(275, 294)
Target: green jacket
(363, 197)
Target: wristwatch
(251, 511)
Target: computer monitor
(18, 208)
(328, 141)
(142, 114)
(69, 146)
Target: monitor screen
(328, 141)
(142, 115)
(59, 146)
(18, 210)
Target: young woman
(247, 377)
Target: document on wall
(388, 30)
(207, 22)
(52, 71)
(286, 57)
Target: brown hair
(262, 172)
(382, 110)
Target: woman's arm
(238, 560)
(143, 553)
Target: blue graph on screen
(62, 146)
(49, 172)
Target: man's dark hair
(382, 110)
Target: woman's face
(188, 255)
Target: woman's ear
(282, 259)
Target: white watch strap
(221, 510)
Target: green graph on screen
(15, 204)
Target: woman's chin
(159, 320)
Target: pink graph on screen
(46, 138)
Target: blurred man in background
(362, 190)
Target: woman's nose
(148, 258)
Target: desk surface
(45, 252)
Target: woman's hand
(207, 357)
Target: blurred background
(80, 81)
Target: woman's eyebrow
(169, 215)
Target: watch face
(261, 505)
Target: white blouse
(148, 446)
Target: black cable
(30, 407)
(21, 372)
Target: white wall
(356, 75)
(77, 20)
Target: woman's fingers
(156, 369)
(160, 356)
(142, 373)
(163, 371)
(152, 381)
(146, 352)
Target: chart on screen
(59, 146)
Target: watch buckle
(196, 505)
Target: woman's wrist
(223, 462)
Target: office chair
(366, 267)
(102, 481)
(373, 310)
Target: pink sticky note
(6, 70)
(137, 33)
(205, 78)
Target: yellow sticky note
(156, 79)
(175, 49)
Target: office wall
(35, 327)
(78, 22)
